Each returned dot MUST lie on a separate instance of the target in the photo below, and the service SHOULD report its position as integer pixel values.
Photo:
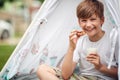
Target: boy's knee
(41, 68)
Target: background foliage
(2, 2)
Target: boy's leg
(46, 72)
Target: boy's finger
(73, 37)
(81, 33)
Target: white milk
(91, 50)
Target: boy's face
(92, 25)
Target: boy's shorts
(76, 76)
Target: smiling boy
(93, 66)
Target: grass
(5, 52)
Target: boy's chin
(91, 34)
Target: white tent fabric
(46, 39)
(41, 43)
(115, 12)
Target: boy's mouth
(90, 29)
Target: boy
(90, 48)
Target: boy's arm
(68, 65)
(113, 71)
(95, 59)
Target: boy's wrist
(71, 48)
(102, 68)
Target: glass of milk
(91, 50)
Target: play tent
(46, 39)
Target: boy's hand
(73, 37)
(94, 59)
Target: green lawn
(5, 52)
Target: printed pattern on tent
(46, 40)
(40, 39)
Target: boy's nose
(88, 23)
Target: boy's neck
(97, 37)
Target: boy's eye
(93, 19)
(83, 20)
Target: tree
(41, 1)
(2, 3)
